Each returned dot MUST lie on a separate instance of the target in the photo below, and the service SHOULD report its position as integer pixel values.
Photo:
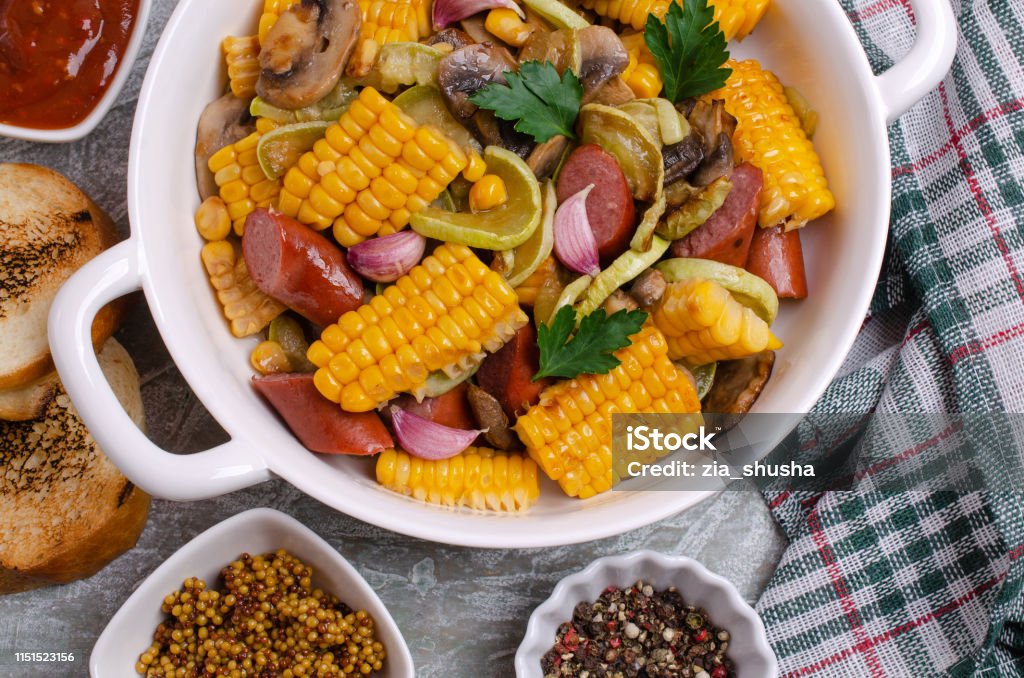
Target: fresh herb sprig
(689, 48)
(541, 103)
(590, 350)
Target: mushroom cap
(305, 52)
(224, 121)
(603, 56)
(468, 69)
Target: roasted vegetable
(370, 172)
(442, 315)
(247, 309)
(702, 322)
(569, 432)
(501, 228)
(478, 478)
(736, 18)
(769, 135)
(242, 56)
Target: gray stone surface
(462, 611)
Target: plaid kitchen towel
(924, 583)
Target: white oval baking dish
(812, 46)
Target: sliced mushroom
(602, 56)
(738, 383)
(612, 93)
(716, 127)
(719, 162)
(684, 157)
(544, 158)
(492, 131)
(451, 36)
(466, 70)
(305, 51)
(649, 287)
(490, 417)
(224, 121)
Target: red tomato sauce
(58, 57)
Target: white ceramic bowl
(748, 645)
(810, 43)
(103, 106)
(261, 530)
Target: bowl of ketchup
(63, 62)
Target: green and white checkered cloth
(925, 583)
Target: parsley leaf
(590, 351)
(542, 104)
(690, 62)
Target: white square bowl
(260, 530)
(748, 646)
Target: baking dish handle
(182, 477)
(926, 64)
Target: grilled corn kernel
(269, 358)
(243, 186)
(247, 308)
(505, 25)
(488, 193)
(645, 81)
(242, 56)
(736, 18)
(569, 432)
(702, 323)
(212, 219)
(478, 478)
(387, 21)
(429, 320)
(365, 177)
(769, 134)
(476, 167)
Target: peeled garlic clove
(575, 245)
(387, 258)
(427, 439)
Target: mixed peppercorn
(639, 632)
(267, 620)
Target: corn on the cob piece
(569, 432)
(242, 56)
(247, 308)
(478, 478)
(395, 20)
(769, 135)
(242, 183)
(702, 323)
(736, 18)
(272, 9)
(370, 172)
(442, 315)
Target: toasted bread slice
(48, 229)
(65, 510)
(29, 401)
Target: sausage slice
(319, 424)
(777, 256)
(610, 207)
(299, 267)
(725, 237)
